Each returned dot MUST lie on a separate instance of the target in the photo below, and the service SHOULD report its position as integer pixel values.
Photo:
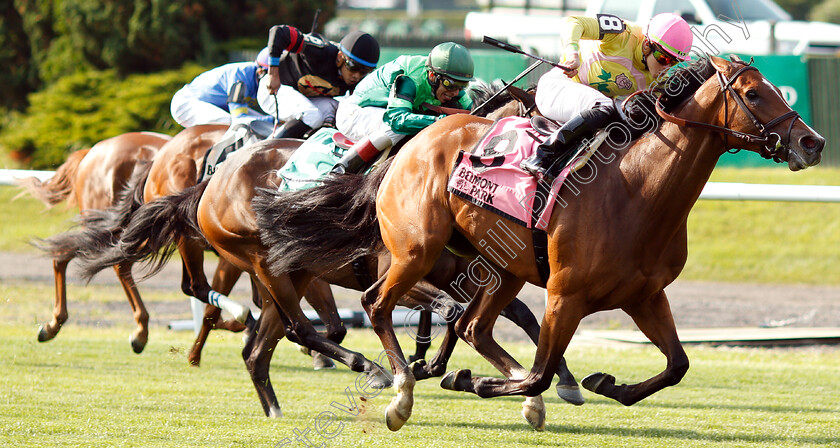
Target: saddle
(239, 135)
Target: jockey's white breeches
(560, 98)
(189, 111)
(291, 104)
(357, 122)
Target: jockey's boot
(555, 149)
(357, 158)
(291, 129)
(559, 148)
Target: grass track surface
(86, 389)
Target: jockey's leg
(362, 154)
(293, 128)
(364, 125)
(556, 151)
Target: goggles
(451, 84)
(662, 57)
(356, 67)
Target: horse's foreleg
(51, 329)
(140, 336)
(567, 387)
(211, 314)
(319, 295)
(437, 365)
(299, 330)
(194, 282)
(257, 355)
(224, 279)
(424, 337)
(654, 319)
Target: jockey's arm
(399, 113)
(281, 38)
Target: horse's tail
(99, 228)
(151, 233)
(57, 188)
(329, 225)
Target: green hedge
(82, 109)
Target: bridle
(770, 142)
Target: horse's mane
(673, 90)
(481, 91)
(682, 83)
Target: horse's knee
(337, 334)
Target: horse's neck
(668, 169)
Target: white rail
(7, 177)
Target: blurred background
(76, 72)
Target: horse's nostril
(812, 143)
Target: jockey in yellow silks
(608, 57)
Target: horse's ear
(721, 65)
(736, 58)
(527, 99)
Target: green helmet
(452, 60)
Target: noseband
(770, 142)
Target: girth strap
(539, 236)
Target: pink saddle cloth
(490, 176)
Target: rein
(765, 138)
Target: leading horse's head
(756, 117)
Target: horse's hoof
(275, 412)
(136, 344)
(570, 394)
(321, 362)
(43, 335)
(597, 382)
(535, 416)
(418, 369)
(414, 358)
(454, 379)
(378, 379)
(393, 418)
(305, 350)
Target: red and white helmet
(672, 33)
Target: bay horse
(221, 212)
(91, 179)
(107, 208)
(618, 240)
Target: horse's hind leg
(140, 336)
(51, 329)
(319, 295)
(257, 354)
(654, 319)
(476, 327)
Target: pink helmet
(672, 33)
(262, 58)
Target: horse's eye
(752, 94)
